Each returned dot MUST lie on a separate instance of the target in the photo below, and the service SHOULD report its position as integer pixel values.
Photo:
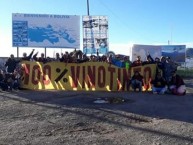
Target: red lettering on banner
(111, 70)
(26, 72)
(35, 69)
(83, 77)
(46, 71)
(147, 79)
(119, 79)
(91, 76)
(75, 76)
(126, 78)
(101, 76)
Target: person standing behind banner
(158, 65)
(177, 85)
(149, 60)
(40, 59)
(27, 58)
(159, 85)
(57, 58)
(11, 64)
(167, 68)
(137, 62)
(127, 62)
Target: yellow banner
(89, 76)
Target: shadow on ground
(141, 107)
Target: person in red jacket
(177, 85)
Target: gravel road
(66, 117)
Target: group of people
(9, 81)
(165, 80)
(159, 84)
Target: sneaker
(161, 93)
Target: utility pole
(88, 13)
(171, 35)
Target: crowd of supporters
(165, 80)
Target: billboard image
(95, 34)
(48, 31)
(175, 52)
(144, 50)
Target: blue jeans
(136, 84)
(159, 90)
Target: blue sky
(130, 21)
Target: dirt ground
(67, 117)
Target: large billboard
(95, 34)
(144, 50)
(43, 30)
(175, 52)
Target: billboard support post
(17, 52)
(45, 52)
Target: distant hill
(189, 52)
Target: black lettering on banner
(61, 75)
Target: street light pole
(88, 13)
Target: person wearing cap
(177, 85)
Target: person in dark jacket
(11, 64)
(3, 85)
(137, 81)
(159, 85)
(149, 60)
(27, 58)
(137, 62)
(40, 59)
